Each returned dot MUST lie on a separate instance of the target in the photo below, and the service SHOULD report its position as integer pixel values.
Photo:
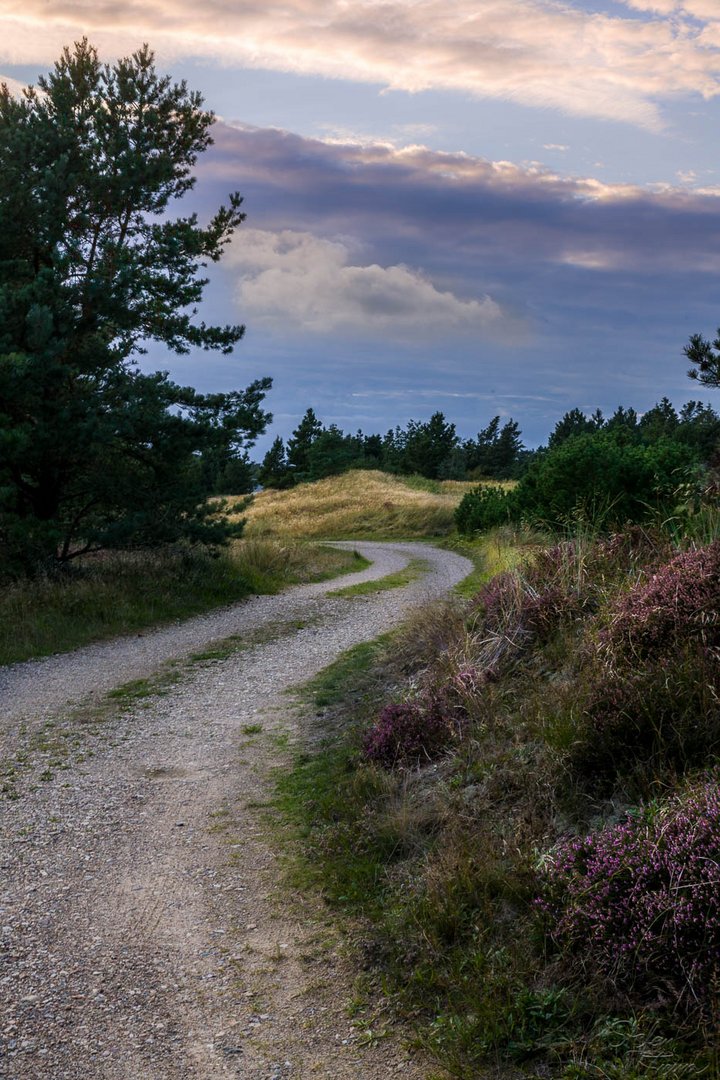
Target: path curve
(144, 931)
(40, 687)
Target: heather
(528, 791)
(638, 903)
(680, 602)
(650, 698)
(409, 733)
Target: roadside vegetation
(515, 805)
(607, 472)
(117, 593)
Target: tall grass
(359, 504)
(119, 593)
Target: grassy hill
(358, 504)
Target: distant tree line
(431, 448)
(606, 470)
(658, 442)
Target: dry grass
(361, 503)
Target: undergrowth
(517, 812)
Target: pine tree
(94, 452)
(299, 444)
(274, 471)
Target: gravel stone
(144, 930)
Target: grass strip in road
(119, 593)
(414, 570)
(38, 752)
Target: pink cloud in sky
(535, 52)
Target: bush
(597, 478)
(650, 704)
(638, 903)
(484, 508)
(680, 602)
(636, 724)
(408, 733)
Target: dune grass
(121, 593)
(361, 504)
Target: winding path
(144, 934)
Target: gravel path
(144, 934)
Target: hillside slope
(361, 503)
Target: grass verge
(114, 594)
(493, 553)
(348, 876)
(439, 866)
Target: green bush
(596, 478)
(484, 508)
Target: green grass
(492, 553)
(126, 593)
(350, 873)
(251, 729)
(414, 569)
(349, 672)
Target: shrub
(484, 508)
(597, 478)
(680, 602)
(635, 724)
(409, 733)
(638, 903)
(651, 696)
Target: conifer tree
(93, 452)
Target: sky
(483, 207)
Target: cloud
(16, 88)
(657, 7)
(541, 53)
(441, 212)
(294, 279)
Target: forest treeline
(431, 448)
(621, 464)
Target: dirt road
(144, 931)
